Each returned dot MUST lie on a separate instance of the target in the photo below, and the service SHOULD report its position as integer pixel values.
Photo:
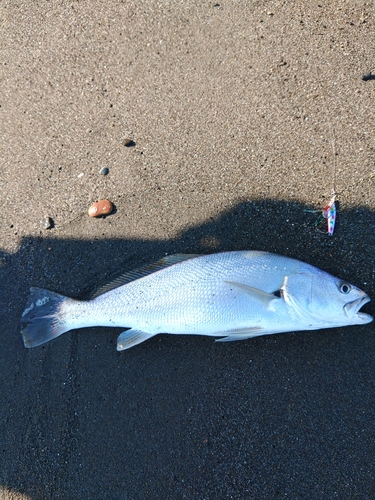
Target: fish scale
(187, 290)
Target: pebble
(368, 76)
(104, 171)
(102, 207)
(46, 223)
(128, 143)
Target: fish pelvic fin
(264, 298)
(132, 337)
(41, 320)
(242, 334)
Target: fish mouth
(352, 309)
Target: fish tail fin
(42, 319)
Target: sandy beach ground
(243, 115)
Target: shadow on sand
(285, 416)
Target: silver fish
(232, 295)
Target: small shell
(102, 207)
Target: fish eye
(345, 288)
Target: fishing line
(329, 212)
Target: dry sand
(241, 112)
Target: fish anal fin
(167, 261)
(259, 295)
(131, 337)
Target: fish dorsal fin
(167, 261)
(259, 295)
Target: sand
(243, 116)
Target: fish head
(325, 301)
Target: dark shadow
(287, 415)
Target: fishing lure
(329, 213)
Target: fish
(230, 295)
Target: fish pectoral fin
(131, 337)
(243, 334)
(259, 295)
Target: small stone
(46, 223)
(128, 143)
(102, 207)
(104, 171)
(367, 77)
